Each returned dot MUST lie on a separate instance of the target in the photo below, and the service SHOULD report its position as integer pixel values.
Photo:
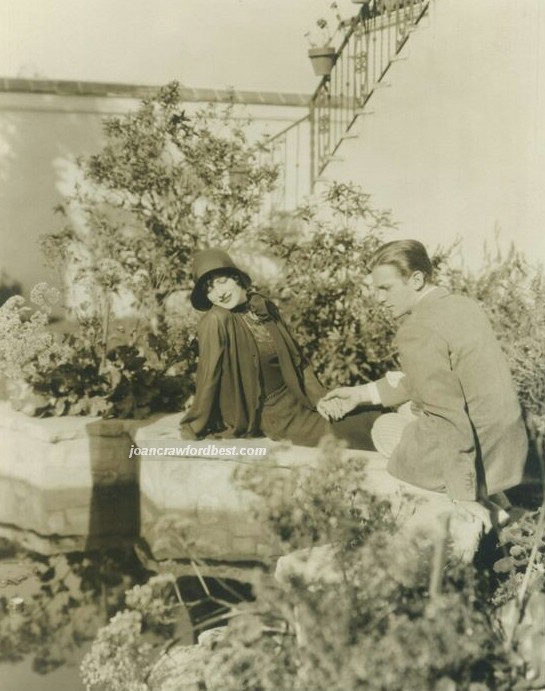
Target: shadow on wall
(39, 145)
(114, 512)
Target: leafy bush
(325, 254)
(362, 618)
(120, 656)
(79, 374)
(326, 250)
(354, 612)
(163, 185)
(312, 506)
(26, 346)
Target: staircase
(372, 41)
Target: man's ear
(418, 280)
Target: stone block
(77, 520)
(244, 545)
(51, 471)
(20, 504)
(64, 452)
(56, 523)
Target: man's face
(397, 293)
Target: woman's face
(225, 291)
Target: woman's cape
(228, 396)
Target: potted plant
(321, 52)
(322, 59)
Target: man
(467, 437)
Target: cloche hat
(206, 261)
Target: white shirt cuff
(374, 395)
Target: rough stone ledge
(59, 544)
(198, 488)
(195, 486)
(56, 429)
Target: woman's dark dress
(252, 380)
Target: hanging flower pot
(322, 60)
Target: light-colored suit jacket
(470, 439)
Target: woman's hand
(339, 402)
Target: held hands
(339, 402)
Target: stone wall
(79, 481)
(57, 476)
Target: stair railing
(372, 40)
(288, 151)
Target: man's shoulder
(449, 316)
(462, 301)
(440, 302)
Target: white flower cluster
(26, 346)
(45, 295)
(117, 658)
(154, 599)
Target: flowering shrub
(156, 599)
(121, 657)
(79, 374)
(26, 346)
(118, 656)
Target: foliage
(326, 253)
(74, 594)
(310, 506)
(79, 374)
(322, 35)
(518, 540)
(362, 618)
(350, 609)
(26, 346)
(120, 657)
(164, 184)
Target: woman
(251, 377)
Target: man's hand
(339, 402)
